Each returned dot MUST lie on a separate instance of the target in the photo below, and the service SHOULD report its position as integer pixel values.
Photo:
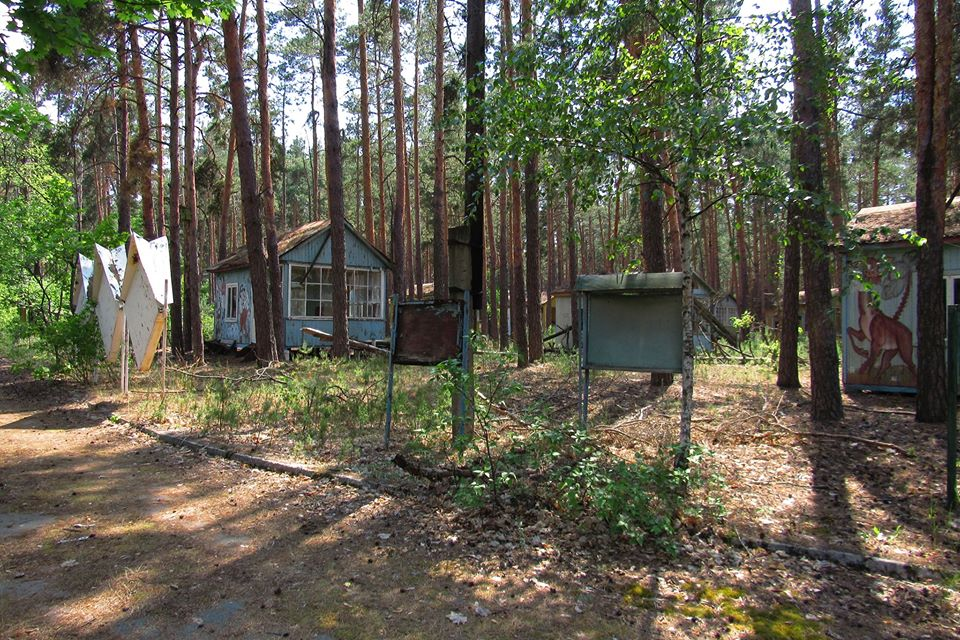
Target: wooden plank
(354, 344)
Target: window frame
(380, 302)
(235, 287)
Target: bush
(644, 500)
(69, 346)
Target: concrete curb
(252, 461)
(884, 566)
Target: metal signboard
(427, 333)
(629, 322)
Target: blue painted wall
(358, 255)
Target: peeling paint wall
(315, 250)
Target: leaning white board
(82, 275)
(143, 296)
(108, 268)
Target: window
(311, 293)
(232, 298)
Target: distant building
(305, 258)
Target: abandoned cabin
(879, 299)
(305, 259)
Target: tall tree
(475, 158)
(416, 247)
(440, 259)
(176, 308)
(365, 128)
(531, 207)
(788, 366)
(518, 298)
(249, 193)
(266, 181)
(141, 155)
(400, 272)
(193, 326)
(158, 118)
(933, 25)
(334, 175)
(123, 133)
(826, 402)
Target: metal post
(125, 360)
(584, 371)
(393, 348)
(953, 355)
(463, 416)
(163, 350)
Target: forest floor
(108, 533)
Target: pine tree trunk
(157, 116)
(532, 217)
(141, 155)
(381, 179)
(176, 275)
(492, 328)
(504, 274)
(314, 212)
(933, 57)
(652, 246)
(193, 325)
(123, 135)
(400, 274)
(572, 259)
(518, 298)
(826, 401)
(475, 153)
(334, 175)
(365, 130)
(417, 248)
(788, 374)
(222, 251)
(266, 183)
(249, 193)
(440, 258)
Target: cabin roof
(888, 224)
(288, 241)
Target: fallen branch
(895, 412)
(433, 474)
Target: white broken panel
(82, 275)
(146, 290)
(108, 268)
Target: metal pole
(393, 348)
(124, 360)
(163, 350)
(584, 372)
(953, 355)
(463, 420)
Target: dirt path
(105, 533)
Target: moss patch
(783, 622)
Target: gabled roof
(289, 241)
(887, 224)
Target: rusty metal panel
(427, 332)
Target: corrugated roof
(887, 224)
(287, 241)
